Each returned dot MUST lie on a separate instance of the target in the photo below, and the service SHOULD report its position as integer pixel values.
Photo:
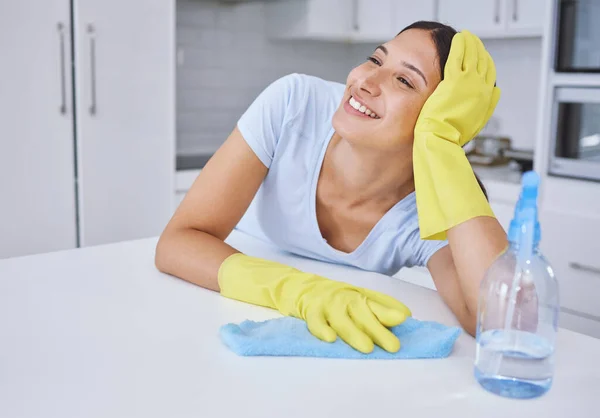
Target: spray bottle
(517, 316)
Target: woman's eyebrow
(404, 63)
(383, 48)
(415, 69)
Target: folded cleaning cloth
(289, 336)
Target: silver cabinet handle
(63, 81)
(355, 24)
(497, 11)
(583, 267)
(92, 35)
(515, 15)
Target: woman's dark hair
(442, 38)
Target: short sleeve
(422, 250)
(261, 124)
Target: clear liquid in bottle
(518, 307)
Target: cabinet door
(372, 20)
(124, 60)
(310, 19)
(329, 18)
(526, 15)
(569, 241)
(405, 12)
(37, 186)
(482, 17)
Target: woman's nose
(370, 83)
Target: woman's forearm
(475, 244)
(192, 255)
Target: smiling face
(384, 95)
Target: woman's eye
(374, 60)
(405, 81)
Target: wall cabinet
(526, 16)
(369, 23)
(380, 20)
(310, 19)
(482, 17)
(88, 108)
(344, 20)
(406, 12)
(494, 18)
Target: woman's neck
(362, 175)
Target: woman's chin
(350, 126)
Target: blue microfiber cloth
(289, 336)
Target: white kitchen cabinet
(310, 19)
(494, 18)
(525, 15)
(344, 20)
(570, 242)
(88, 150)
(370, 21)
(381, 20)
(482, 17)
(405, 12)
(37, 209)
(582, 324)
(124, 78)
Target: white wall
(225, 60)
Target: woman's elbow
(468, 321)
(161, 252)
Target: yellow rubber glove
(358, 316)
(447, 192)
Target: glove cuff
(447, 192)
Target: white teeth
(362, 108)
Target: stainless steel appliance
(578, 38)
(575, 147)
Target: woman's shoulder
(303, 80)
(305, 89)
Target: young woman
(369, 174)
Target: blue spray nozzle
(529, 188)
(526, 208)
(530, 179)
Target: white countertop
(500, 173)
(99, 332)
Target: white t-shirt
(288, 126)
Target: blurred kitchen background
(229, 51)
(109, 109)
